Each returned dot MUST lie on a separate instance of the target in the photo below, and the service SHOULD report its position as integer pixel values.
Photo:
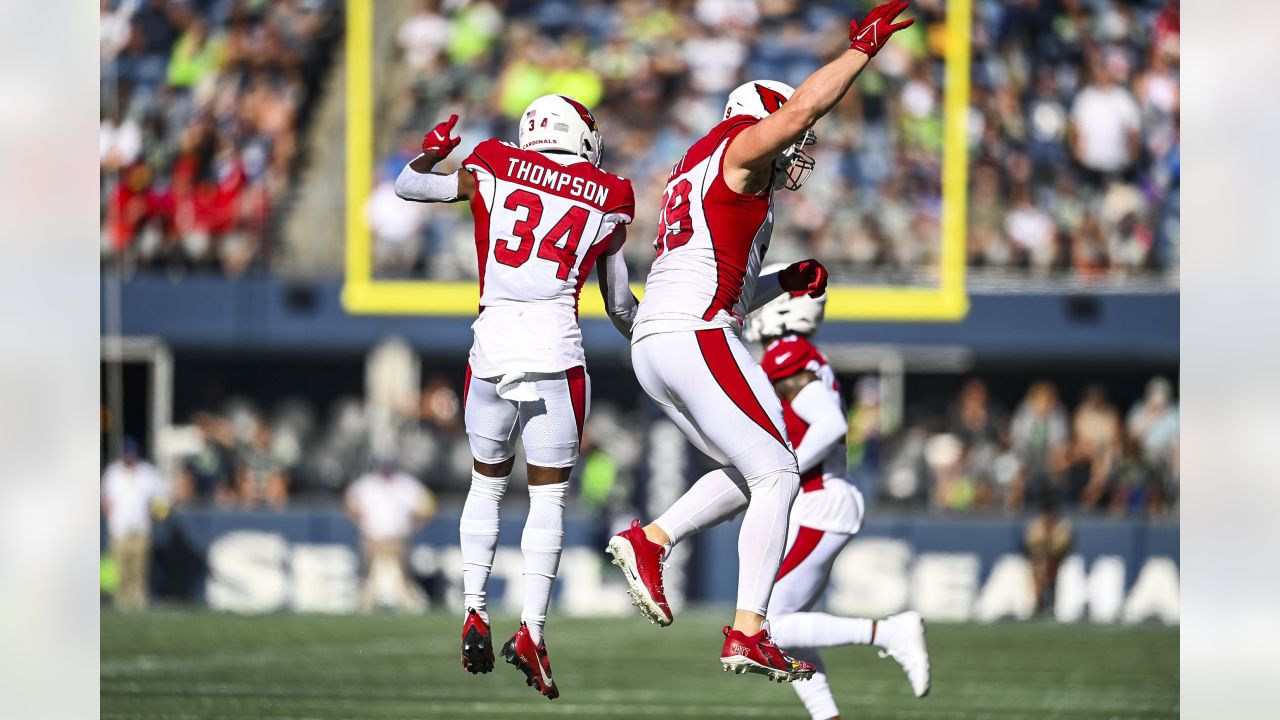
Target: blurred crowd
(244, 455)
(202, 105)
(1073, 130)
(979, 457)
(241, 454)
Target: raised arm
(615, 287)
(417, 182)
(749, 160)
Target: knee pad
(786, 481)
(551, 455)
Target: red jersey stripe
(737, 217)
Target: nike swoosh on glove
(873, 32)
(440, 141)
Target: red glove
(875, 29)
(438, 143)
(806, 277)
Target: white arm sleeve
(616, 289)
(818, 407)
(767, 288)
(427, 187)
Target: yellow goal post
(948, 300)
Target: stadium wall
(1120, 571)
(264, 314)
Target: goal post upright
(947, 301)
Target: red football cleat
(641, 563)
(531, 660)
(477, 645)
(757, 654)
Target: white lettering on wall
(943, 585)
(1008, 592)
(1101, 590)
(252, 571)
(324, 578)
(247, 572)
(870, 578)
(1155, 594)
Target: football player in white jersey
(827, 513)
(544, 214)
(713, 233)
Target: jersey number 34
(571, 225)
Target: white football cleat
(904, 641)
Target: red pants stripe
(724, 368)
(807, 539)
(577, 378)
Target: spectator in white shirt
(1153, 423)
(396, 226)
(714, 60)
(713, 13)
(422, 37)
(1105, 124)
(119, 141)
(388, 506)
(1032, 230)
(132, 491)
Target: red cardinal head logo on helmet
(770, 98)
(586, 115)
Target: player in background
(713, 233)
(544, 214)
(828, 511)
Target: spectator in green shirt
(195, 56)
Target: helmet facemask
(795, 165)
(784, 314)
(593, 153)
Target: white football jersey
(788, 356)
(711, 243)
(826, 501)
(541, 222)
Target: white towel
(517, 387)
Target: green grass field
(190, 664)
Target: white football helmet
(760, 99)
(785, 314)
(560, 123)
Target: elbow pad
(427, 187)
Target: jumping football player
(713, 233)
(827, 513)
(544, 214)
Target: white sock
(478, 533)
(763, 537)
(541, 544)
(815, 629)
(815, 693)
(714, 498)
